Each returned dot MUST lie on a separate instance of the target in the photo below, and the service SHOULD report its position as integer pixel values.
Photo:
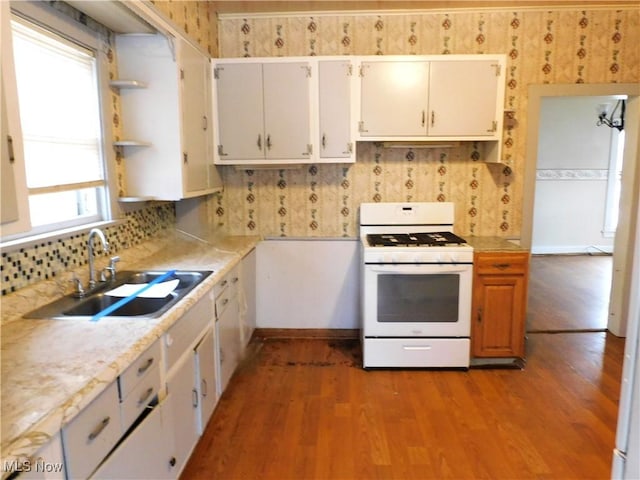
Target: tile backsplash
(47, 259)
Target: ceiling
(270, 6)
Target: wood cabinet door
(462, 98)
(394, 98)
(498, 316)
(335, 109)
(287, 105)
(240, 111)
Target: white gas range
(416, 286)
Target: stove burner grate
(432, 239)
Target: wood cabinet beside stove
(499, 304)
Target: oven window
(418, 298)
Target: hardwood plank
(305, 409)
(569, 292)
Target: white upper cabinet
(165, 115)
(430, 98)
(263, 112)
(393, 98)
(334, 100)
(14, 208)
(463, 98)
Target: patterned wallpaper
(564, 45)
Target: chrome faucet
(95, 232)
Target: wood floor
(304, 409)
(569, 292)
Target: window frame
(48, 18)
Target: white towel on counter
(158, 290)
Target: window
(61, 120)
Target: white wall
(310, 283)
(571, 177)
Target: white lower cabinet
(182, 408)
(92, 434)
(205, 357)
(132, 430)
(47, 463)
(145, 453)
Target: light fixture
(607, 115)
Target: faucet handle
(79, 293)
(111, 269)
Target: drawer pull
(98, 430)
(225, 301)
(172, 461)
(145, 367)
(501, 266)
(224, 283)
(235, 280)
(204, 388)
(145, 397)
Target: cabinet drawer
(92, 434)
(499, 263)
(230, 280)
(139, 397)
(186, 330)
(139, 369)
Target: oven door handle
(420, 269)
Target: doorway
(622, 245)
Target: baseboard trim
(330, 333)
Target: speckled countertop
(52, 369)
(493, 244)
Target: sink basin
(139, 307)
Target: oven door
(417, 300)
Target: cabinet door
(143, 454)
(335, 109)
(182, 407)
(394, 98)
(240, 111)
(287, 110)
(499, 304)
(194, 67)
(462, 98)
(207, 386)
(228, 338)
(14, 208)
(247, 297)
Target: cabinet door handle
(235, 280)
(224, 283)
(225, 301)
(194, 396)
(205, 122)
(204, 388)
(501, 266)
(172, 461)
(479, 315)
(185, 158)
(98, 430)
(324, 141)
(145, 397)
(433, 117)
(145, 367)
(268, 142)
(12, 157)
(259, 143)
(423, 118)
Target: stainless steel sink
(97, 301)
